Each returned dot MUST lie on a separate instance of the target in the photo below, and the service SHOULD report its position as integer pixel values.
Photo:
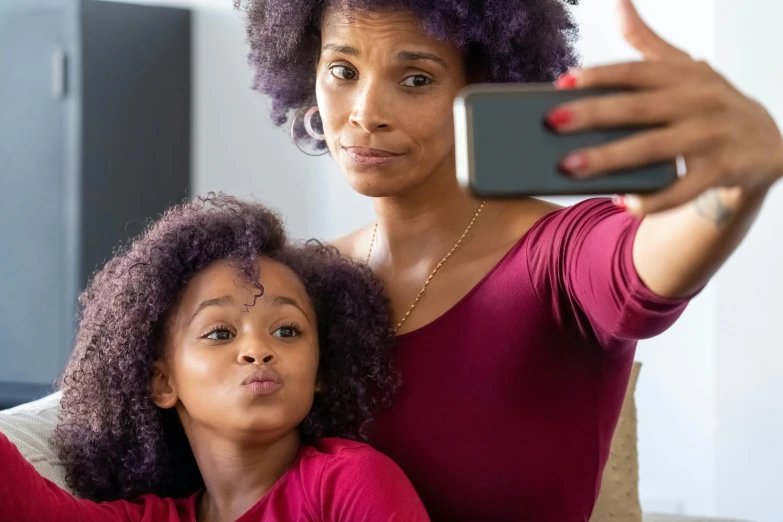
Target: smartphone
(505, 148)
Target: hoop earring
(309, 112)
(308, 122)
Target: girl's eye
(416, 80)
(342, 72)
(287, 332)
(219, 334)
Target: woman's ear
(163, 393)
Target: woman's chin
(380, 182)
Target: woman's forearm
(678, 251)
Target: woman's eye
(220, 334)
(343, 73)
(286, 332)
(416, 80)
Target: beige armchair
(618, 500)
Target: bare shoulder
(516, 217)
(356, 244)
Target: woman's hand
(727, 139)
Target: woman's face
(215, 345)
(385, 92)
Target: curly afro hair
(114, 441)
(503, 41)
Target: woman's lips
(372, 157)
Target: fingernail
(560, 118)
(619, 201)
(566, 81)
(575, 163)
(632, 203)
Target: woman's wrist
(721, 205)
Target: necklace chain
(437, 267)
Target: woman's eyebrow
(406, 56)
(412, 56)
(343, 49)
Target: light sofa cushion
(30, 427)
(618, 499)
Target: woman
(212, 365)
(516, 320)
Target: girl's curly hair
(114, 441)
(503, 40)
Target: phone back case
(504, 147)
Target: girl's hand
(727, 139)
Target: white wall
(710, 398)
(749, 349)
(236, 148)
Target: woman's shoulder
(355, 244)
(519, 216)
(535, 212)
(509, 222)
(512, 220)
(544, 218)
(535, 225)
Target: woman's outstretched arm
(732, 148)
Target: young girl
(214, 369)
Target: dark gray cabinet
(94, 140)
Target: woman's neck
(238, 474)
(422, 222)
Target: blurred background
(110, 112)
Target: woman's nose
(371, 109)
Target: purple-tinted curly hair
(503, 40)
(114, 441)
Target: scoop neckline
(422, 329)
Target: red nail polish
(559, 118)
(574, 164)
(619, 201)
(566, 81)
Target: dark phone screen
(515, 153)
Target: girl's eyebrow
(217, 301)
(283, 300)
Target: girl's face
(236, 369)
(385, 92)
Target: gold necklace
(435, 270)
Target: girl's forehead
(223, 279)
